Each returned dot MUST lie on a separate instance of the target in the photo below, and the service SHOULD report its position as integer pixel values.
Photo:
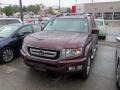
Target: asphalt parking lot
(17, 76)
(112, 32)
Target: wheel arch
(88, 50)
(118, 61)
(9, 46)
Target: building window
(98, 14)
(90, 13)
(116, 15)
(108, 15)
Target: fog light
(79, 67)
(72, 68)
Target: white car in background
(101, 26)
(118, 38)
(5, 21)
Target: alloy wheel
(7, 55)
(117, 75)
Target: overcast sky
(64, 3)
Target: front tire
(104, 37)
(85, 73)
(118, 76)
(6, 55)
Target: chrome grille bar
(44, 53)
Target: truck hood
(56, 39)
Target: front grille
(44, 53)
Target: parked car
(118, 68)
(5, 21)
(66, 45)
(42, 22)
(11, 37)
(118, 38)
(101, 26)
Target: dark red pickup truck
(66, 45)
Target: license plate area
(40, 67)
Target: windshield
(6, 31)
(99, 23)
(66, 24)
(8, 21)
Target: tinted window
(67, 24)
(90, 13)
(98, 14)
(8, 21)
(26, 29)
(36, 28)
(108, 15)
(6, 31)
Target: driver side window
(25, 30)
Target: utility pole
(1, 8)
(92, 1)
(93, 13)
(59, 6)
(21, 10)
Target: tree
(8, 10)
(50, 11)
(24, 9)
(68, 10)
(16, 8)
(33, 8)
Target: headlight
(71, 52)
(24, 47)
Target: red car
(66, 45)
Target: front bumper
(102, 34)
(60, 66)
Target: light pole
(21, 10)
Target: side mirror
(22, 34)
(18, 35)
(95, 31)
